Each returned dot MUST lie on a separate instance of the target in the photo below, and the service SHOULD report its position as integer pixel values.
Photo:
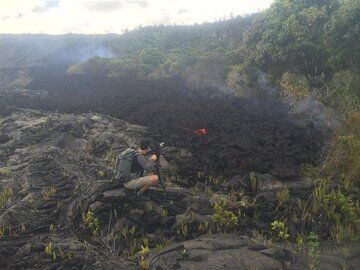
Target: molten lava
(200, 132)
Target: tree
(152, 57)
(289, 37)
(342, 36)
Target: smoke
(88, 52)
(312, 112)
(79, 53)
(308, 112)
(264, 86)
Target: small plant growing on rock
(214, 179)
(208, 191)
(2, 231)
(4, 171)
(164, 242)
(313, 249)
(203, 227)
(223, 220)
(47, 193)
(283, 196)
(5, 195)
(144, 264)
(253, 181)
(183, 231)
(48, 251)
(280, 230)
(101, 174)
(163, 212)
(144, 249)
(91, 222)
(148, 206)
(52, 228)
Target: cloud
(111, 16)
(45, 6)
(12, 8)
(141, 4)
(182, 10)
(104, 6)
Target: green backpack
(123, 164)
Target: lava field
(241, 135)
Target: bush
(223, 220)
(342, 92)
(343, 160)
(294, 86)
(280, 230)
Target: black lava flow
(241, 135)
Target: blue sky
(114, 16)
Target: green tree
(152, 57)
(289, 37)
(342, 36)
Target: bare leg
(153, 182)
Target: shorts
(138, 183)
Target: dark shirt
(147, 164)
(141, 163)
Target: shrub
(223, 220)
(342, 162)
(280, 230)
(294, 86)
(342, 92)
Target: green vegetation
(279, 230)
(313, 249)
(101, 174)
(49, 251)
(4, 171)
(282, 196)
(48, 193)
(5, 195)
(224, 220)
(334, 204)
(253, 181)
(183, 231)
(91, 223)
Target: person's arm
(146, 164)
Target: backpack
(123, 164)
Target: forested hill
(293, 50)
(301, 48)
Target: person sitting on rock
(142, 169)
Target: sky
(114, 16)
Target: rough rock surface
(65, 211)
(229, 251)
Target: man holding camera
(142, 169)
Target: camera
(155, 149)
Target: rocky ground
(61, 209)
